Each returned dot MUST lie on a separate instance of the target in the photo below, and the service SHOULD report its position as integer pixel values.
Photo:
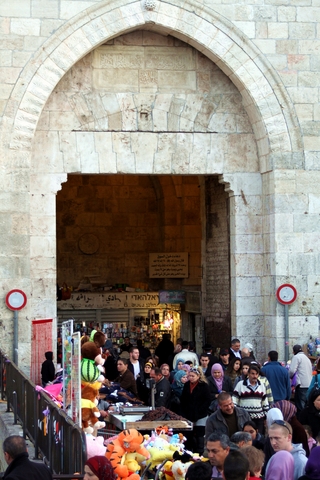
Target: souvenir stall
(137, 315)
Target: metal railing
(57, 439)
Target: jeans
(300, 398)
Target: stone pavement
(7, 428)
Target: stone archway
(269, 108)
(275, 128)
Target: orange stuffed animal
(128, 441)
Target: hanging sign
(16, 299)
(172, 296)
(168, 265)
(286, 294)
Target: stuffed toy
(89, 410)
(128, 442)
(131, 463)
(166, 470)
(179, 469)
(159, 455)
(95, 446)
(92, 361)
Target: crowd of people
(237, 406)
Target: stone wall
(269, 52)
(108, 224)
(216, 291)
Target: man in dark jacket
(278, 377)
(228, 419)
(19, 465)
(47, 369)
(165, 349)
(163, 388)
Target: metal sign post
(286, 294)
(15, 300)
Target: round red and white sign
(16, 299)
(286, 294)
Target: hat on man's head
(207, 346)
(297, 348)
(249, 346)
(224, 351)
(108, 345)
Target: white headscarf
(272, 415)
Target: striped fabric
(255, 402)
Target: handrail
(57, 439)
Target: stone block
(246, 264)
(9, 75)
(5, 90)
(316, 112)
(246, 243)
(278, 30)
(15, 9)
(284, 222)
(267, 46)
(286, 13)
(298, 62)
(241, 146)
(312, 160)
(308, 79)
(63, 122)
(249, 304)
(308, 14)
(309, 47)
(247, 286)
(70, 8)
(25, 26)
(89, 159)
(308, 223)
(49, 26)
(144, 147)
(304, 111)
(45, 8)
(311, 143)
(302, 30)
(288, 242)
(47, 149)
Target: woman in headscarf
(98, 468)
(280, 466)
(218, 383)
(179, 380)
(143, 390)
(176, 368)
(312, 471)
(186, 368)
(289, 412)
(195, 401)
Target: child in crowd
(311, 441)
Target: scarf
(101, 467)
(219, 381)
(193, 386)
(287, 408)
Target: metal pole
(153, 394)
(286, 333)
(15, 337)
